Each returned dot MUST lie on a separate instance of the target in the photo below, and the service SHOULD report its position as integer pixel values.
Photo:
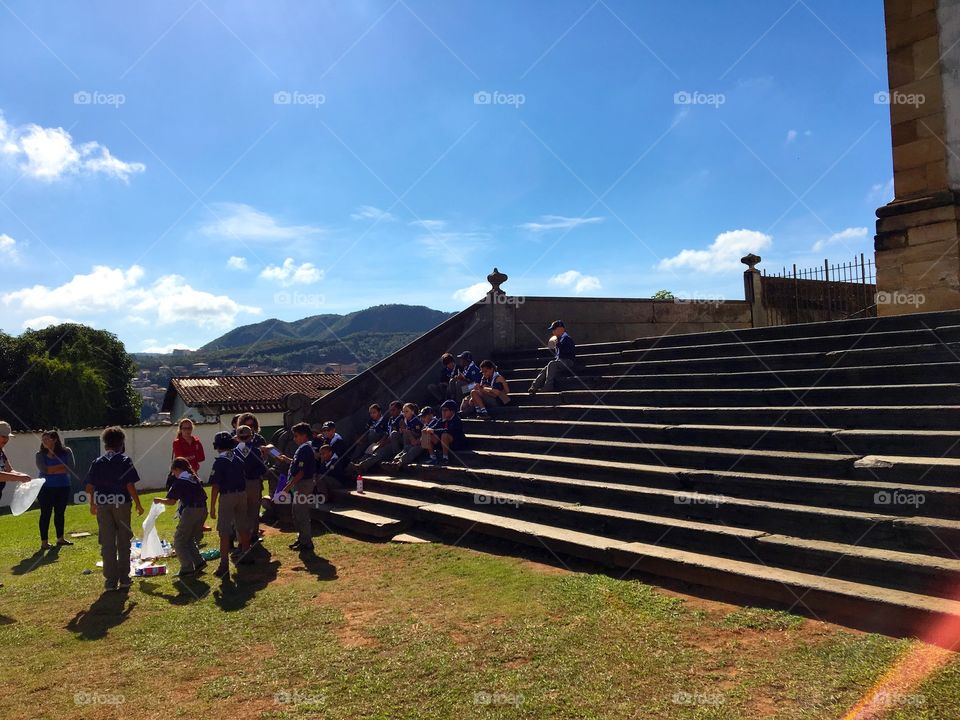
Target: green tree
(67, 376)
(662, 295)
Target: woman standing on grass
(185, 445)
(56, 465)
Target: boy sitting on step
(445, 435)
(411, 431)
(491, 391)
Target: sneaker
(443, 461)
(109, 585)
(433, 462)
(45, 546)
(63, 542)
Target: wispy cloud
(8, 248)
(851, 235)
(429, 224)
(236, 220)
(558, 222)
(472, 294)
(369, 212)
(237, 263)
(881, 193)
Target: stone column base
(918, 263)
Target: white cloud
(791, 136)
(8, 248)
(369, 212)
(472, 294)
(881, 193)
(153, 346)
(850, 234)
(429, 224)
(558, 222)
(289, 273)
(44, 321)
(170, 299)
(50, 154)
(722, 256)
(236, 220)
(237, 263)
(577, 281)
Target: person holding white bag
(7, 473)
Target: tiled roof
(236, 393)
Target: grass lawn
(412, 631)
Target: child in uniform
(253, 471)
(444, 435)
(188, 491)
(411, 430)
(228, 485)
(303, 472)
(491, 390)
(111, 487)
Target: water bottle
(359, 483)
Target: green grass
(412, 631)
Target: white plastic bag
(151, 546)
(24, 495)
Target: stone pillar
(502, 311)
(918, 264)
(753, 290)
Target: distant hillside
(365, 336)
(321, 328)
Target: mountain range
(364, 336)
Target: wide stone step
(646, 486)
(858, 604)
(362, 522)
(874, 375)
(861, 395)
(906, 571)
(891, 417)
(813, 439)
(685, 456)
(912, 322)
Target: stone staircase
(815, 467)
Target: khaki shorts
(232, 513)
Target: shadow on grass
(108, 611)
(186, 590)
(241, 586)
(316, 565)
(38, 559)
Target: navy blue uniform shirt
(110, 473)
(473, 373)
(566, 348)
(253, 466)
(304, 461)
(188, 491)
(453, 426)
(227, 473)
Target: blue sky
(171, 170)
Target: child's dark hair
(411, 407)
(396, 404)
(302, 428)
(376, 407)
(248, 418)
(447, 358)
(113, 437)
(181, 464)
(488, 364)
(326, 447)
(235, 420)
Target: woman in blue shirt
(55, 464)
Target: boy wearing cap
(562, 364)
(229, 486)
(448, 368)
(111, 487)
(303, 470)
(328, 431)
(444, 435)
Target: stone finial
(496, 279)
(751, 261)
